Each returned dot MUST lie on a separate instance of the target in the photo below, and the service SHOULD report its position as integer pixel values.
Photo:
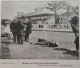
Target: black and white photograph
(40, 30)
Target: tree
(56, 5)
(76, 8)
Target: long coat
(20, 28)
(29, 27)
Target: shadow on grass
(67, 51)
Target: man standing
(13, 27)
(75, 28)
(20, 29)
(28, 29)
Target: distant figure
(7, 29)
(13, 27)
(28, 29)
(75, 28)
(67, 27)
(55, 26)
(64, 26)
(20, 30)
(60, 26)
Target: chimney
(19, 14)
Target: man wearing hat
(75, 28)
(13, 27)
(20, 29)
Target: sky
(9, 9)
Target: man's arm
(11, 25)
(75, 27)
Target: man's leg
(14, 39)
(21, 39)
(27, 37)
(18, 38)
(77, 43)
(77, 40)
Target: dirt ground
(65, 50)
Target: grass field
(65, 49)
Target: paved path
(31, 51)
(54, 30)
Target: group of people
(21, 27)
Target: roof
(44, 12)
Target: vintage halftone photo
(40, 30)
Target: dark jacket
(13, 27)
(29, 27)
(75, 23)
(20, 27)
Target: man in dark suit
(13, 27)
(75, 28)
